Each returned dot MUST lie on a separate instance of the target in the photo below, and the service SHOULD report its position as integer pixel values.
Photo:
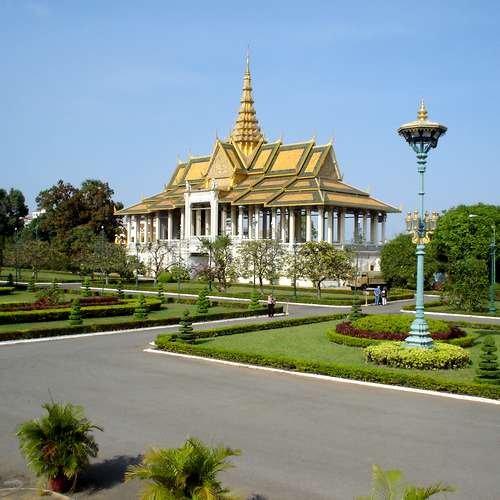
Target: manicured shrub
(203, 302)
(86, 292)
(356, 312)
(32, 284)
(141, 311)
(395, 354)
(10, 280)
(487, 370)
(186, 329)
(395, 323)
(75, 316)
(119, 290)
(49, 296)
(166, 277)
(254, 301)
(6, 290)
(160, 292)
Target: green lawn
(445, 308)
(17, 296)
(310, 343)
(168, 311)
(44, 275)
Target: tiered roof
(248, 171)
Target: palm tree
(389, 485)
(188, 472)
(58, 445)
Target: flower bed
(395, 354)
(41, 305)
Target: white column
(250, 222)
(365, 225)
(224, 219)
(260, 225)
(291, 228)
(373, 227)
(170, 225)
(330, 233)
(283, 224)
(273, 224)
(157, 227)
(234, 221)
(382, 237)
(240, 222)
(137, 228)
(197, 218)
(129, 229)
(308, 224)
(146, 228)
(214, 218)
(341, 225)
(321, 223)
(188, 230)
(182, 226)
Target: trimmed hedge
(63, 313)
(270, 325)
(395, 323)
(440, 357)
(36, 333)
(6, 290)
(367, 374)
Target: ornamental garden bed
(306, 348)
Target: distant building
(33, 215)
(250, 188)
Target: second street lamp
(421, 135)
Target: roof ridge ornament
(422, 111)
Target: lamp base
(419, 335)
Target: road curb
(474, 399)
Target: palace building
(250, 188)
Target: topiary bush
(32, 284)
(119, 290)
(355, 312)
(254, 301)
(86, 292)
(487, 370)
(203, 302)
(395, 323)
(160, 292)
(75, 316)
(186, 333)
(141, 310)
(396, 354)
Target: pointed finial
(422, 111)
(247, 67)
(313, 138)
(330, 142)
(178, 160)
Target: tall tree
(159, 253)
(322, 261)
(13, 209)
(221, 266)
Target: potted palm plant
(186, 472)
(58, 446)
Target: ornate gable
(222, 168)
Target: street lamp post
(421, 135)
(137, 248)
(492, 308)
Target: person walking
(270, 305)
(376, 294)
(383, 294)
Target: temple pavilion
(250, 188)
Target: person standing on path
(383, 294)
(270, 305)
(376, 294)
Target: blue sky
(116, 90)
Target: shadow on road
(106, 474)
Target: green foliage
(59, 442)
(50, 295)
(488, 370)
(166, 277)
(180, 272)
(342, 339)
(398, 262)
(186, 329)
(396, 354)
(86, 291)
(396, 323)
(356, 312)
(141, 310)
(254, 304)
(160, 292)
(221, 267)
(467, 286)
(119, 290)
(331, 369)
(321, 261)
(389, 485)
(6, 290)
(10, 280)
(181, 473)
(203, 302)
(32, 284)
(75, 316)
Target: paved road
(301, 439)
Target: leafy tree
(389, 485)
(186, 329)
(203, 302)
(35, 255)
(141, 310)
(58, 445)
(488, 370)
(293, 268)
(467, 285)
(398, 262)
(181, 473)
(261, 259)
(221, 267)
(321, 261)
(75, 316)
(13, 209)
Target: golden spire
(422, 112)
(246, 133)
